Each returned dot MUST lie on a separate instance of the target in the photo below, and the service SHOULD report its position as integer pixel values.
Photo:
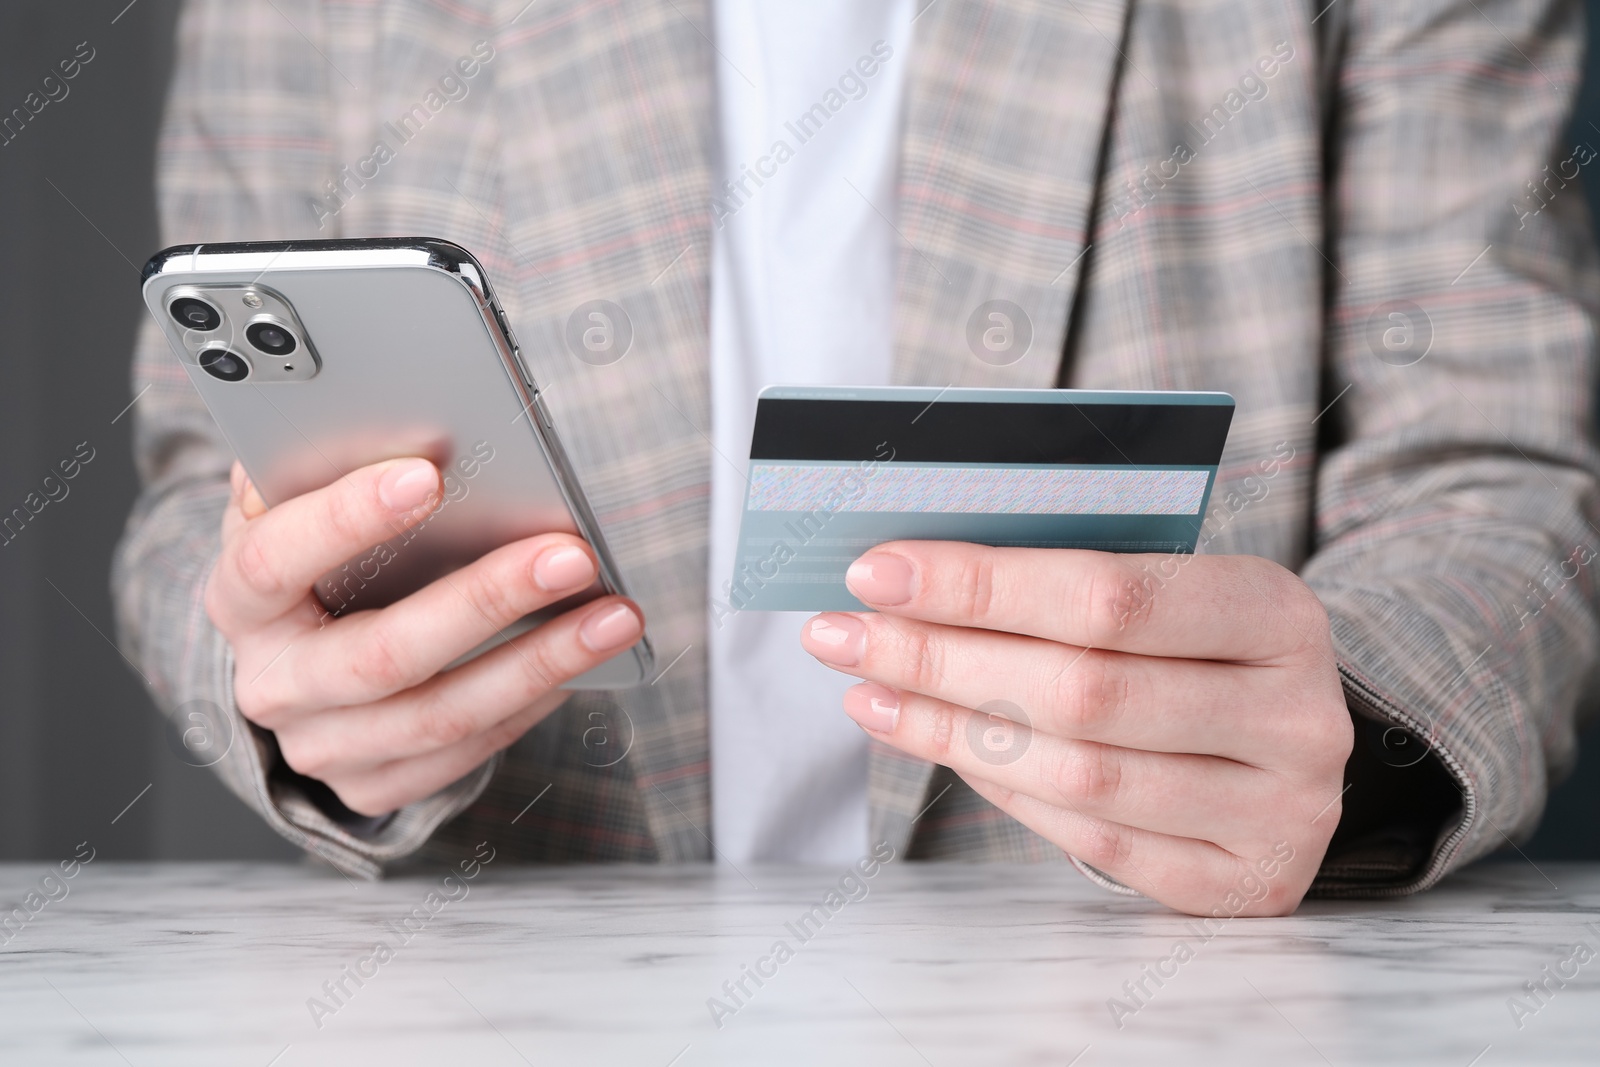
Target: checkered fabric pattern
(1181, 194)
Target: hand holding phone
(365, 702)
(430, 572)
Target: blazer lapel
(605, 111)
(1005, 119)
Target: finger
(1143, 702)
(1201, 797)
(1200, 607)
(390, 786)
(244, 495)
(469, 700)
(232, 517)
(372, 654)
(270, 565)
(1189, 876)
(250, 503)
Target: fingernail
(835, 639)
(566, 567)
(873, 706)
(879, 578)
(251, 503)
(609, 628)
(407, 484)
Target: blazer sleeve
(244, 146)
(1456, 519)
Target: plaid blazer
(1181, 194)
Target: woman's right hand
(358, 701)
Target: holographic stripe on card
(982, 490)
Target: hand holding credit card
(834, 471)
(1181, 732)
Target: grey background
(79, 738)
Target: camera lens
(270, 338)
(194, 314)
(224, 365)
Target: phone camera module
(194, 314)
(270, 338)
(224, 365)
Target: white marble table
(937, 964)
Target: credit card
(837, 470)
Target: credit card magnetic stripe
(1143, 434)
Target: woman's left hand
(1186, 735)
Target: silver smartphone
(319, 357)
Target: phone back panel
(411, 358)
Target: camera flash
(252, 300)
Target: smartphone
(319, 357)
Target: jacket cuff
(1102, 879)
(1410, 803)
(254, 770)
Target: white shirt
(802, 293)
